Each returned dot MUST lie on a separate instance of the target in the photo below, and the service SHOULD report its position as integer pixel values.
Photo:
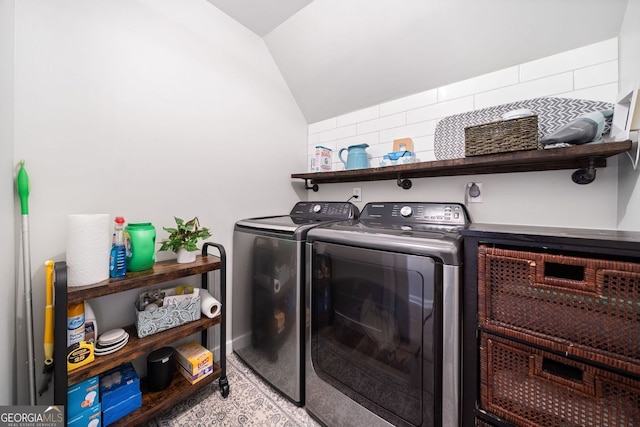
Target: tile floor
(251, 402)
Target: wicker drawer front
(588, 308)
(530, 387)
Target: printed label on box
(194, 378)
(321, 161)
(90, 417)
(193, 357)
(82, 396)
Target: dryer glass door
(375, 330)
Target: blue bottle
(118, 258)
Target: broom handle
(48, 315)
(23, 192)
(26, 261)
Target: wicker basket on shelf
(502, 136)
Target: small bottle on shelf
(75, 323)
(118, 259)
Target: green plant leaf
(184, 235)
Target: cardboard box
(193, 357)
(124, 407)
(194, 377)
(117, 385)
(279, 319)
(83, 396)
(91, 417)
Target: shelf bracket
(404, 183)
(585, 176)
(313, 187)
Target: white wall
(360, 53)
(629, 191)
(535, 198)
(8, 247)
(146, 109)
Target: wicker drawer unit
(530, 387)
(483, 423)
(583, 307)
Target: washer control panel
(412, 212)
(325, 210)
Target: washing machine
(382, 344)
(268, 312)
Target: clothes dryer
(382, 345)
(268, 315)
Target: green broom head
(23, 189)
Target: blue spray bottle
(118, 259)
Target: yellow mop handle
(48, 315)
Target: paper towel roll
(210, 306)
(88, 247)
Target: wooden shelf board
(576, 157)
(156, 402)
(138, 347)
(162, 271)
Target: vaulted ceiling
(338, 56)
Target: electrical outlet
(357, 194)
(474, 191)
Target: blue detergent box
(90, 417)
(83, 396)
(124, 407)
(117, 385)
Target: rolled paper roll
(210, 306)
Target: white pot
(185, 256)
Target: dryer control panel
(414, 212)
(325, 210)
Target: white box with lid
(321, 161)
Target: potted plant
(183, 238)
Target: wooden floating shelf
(583, 157)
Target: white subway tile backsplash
(485, 82)
(337, 133)
(409, 131)
(313, 140)
(331, 145)
(382, 123)
(367, 138)
(423, 143)
(596, 75)
(426, 156)
(441, 109)
(409, 102)
(590, 72)
(337, 165)
(534, 89)
(574, 59)
(377, 151)
(604, 93)
(322, 126)
(359, 116)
